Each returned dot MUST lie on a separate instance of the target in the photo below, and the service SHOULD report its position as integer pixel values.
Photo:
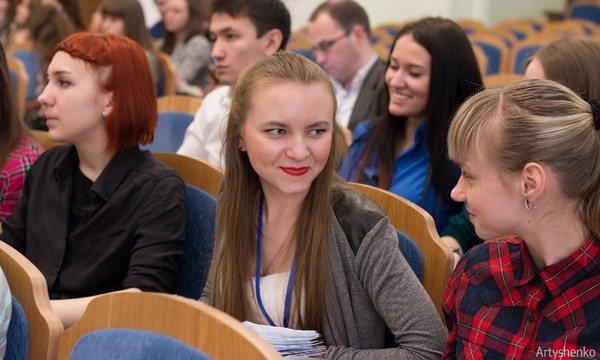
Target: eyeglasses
(326, 45)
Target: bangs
(475, 128)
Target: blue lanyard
(290, 285)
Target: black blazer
(367, 104)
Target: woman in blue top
(430, 72)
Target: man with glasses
(341, 38)
(242, 32)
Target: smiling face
(288, 138)
(73, 101)
(493, 198)
(407, 77)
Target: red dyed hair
(122, 68)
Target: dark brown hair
(130, 11)
(197, 15)
(454, 77)
(265, 15)
(10, 122)
(48, 26)
(345, 13)
(573, 62)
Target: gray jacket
(372, 288)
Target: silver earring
(104, 113)
(529, 206)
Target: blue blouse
(410, 173)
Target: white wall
(382, 11)
(490, 12)
(511, 9)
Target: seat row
(502, 49)
(36, 332)
(508, 45)
(198, 325)
(433, 264)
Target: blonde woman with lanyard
(295, 246)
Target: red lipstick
(295, 171)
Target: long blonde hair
(241, 192)
(535, 121)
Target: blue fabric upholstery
(157, 31)
(170, 131)
(306, 53)
(13, 78)
(162, 80)
(523, 54)
(414, 257)
(467, 30)
(586, 12)
(32, 65)
(17, 338)
(519, 34)
(493, 55)
(411, 253)
(392, 30)
(130, 344)
(199, 242)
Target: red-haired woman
(99, 215)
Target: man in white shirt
(341, 38)
(242, 31)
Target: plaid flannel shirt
(13, 174)
(498, 306)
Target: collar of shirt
(356, 83)
(347, 97)
(416, 150)
(559, 276)
(110, 178)
(554, 308)
(419, 144)
(563, 274)
(226, 100)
